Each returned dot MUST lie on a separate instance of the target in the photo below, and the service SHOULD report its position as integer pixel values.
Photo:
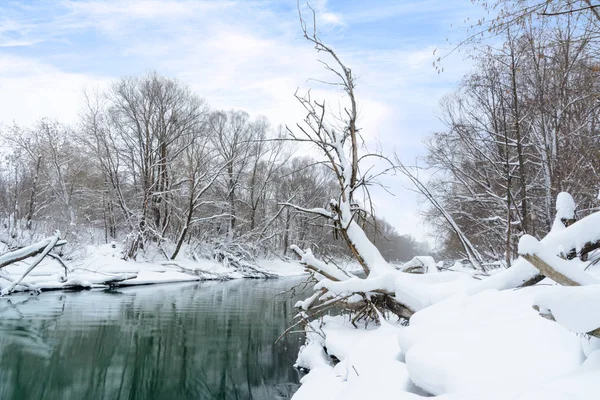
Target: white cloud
(30, 90)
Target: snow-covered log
(576, 239)
(552, 266)
(29, 251)
(575, 308)
(313, 264)
(50, 244)
(420, 265)
(575, 303)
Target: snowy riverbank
(470, 344)
(102, 266)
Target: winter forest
(151, 166)
(120, 228)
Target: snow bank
(103, 266)
(369, 364)
(582, 383)
(490, 345)
(493, 341)
(577, 308)
(416, 291)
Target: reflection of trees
(204, 341)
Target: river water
(210, 340)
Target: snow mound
(574, 307)
(490, 342)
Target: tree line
(150, 165)
(522, 127)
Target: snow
(575, 308)
(416, 291)
(312, 356)
(557, 241)
(565, 209)
(369, 253)
(582, 383)
(575, 236)
(469, 338)
(427, 263)
(570, 269)
(307, 258)
(101, 266)
(487, 345)
(283, 268)
(490, 341)
(368, 367)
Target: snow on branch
(552, 266)
(317, 210)
(312, 263)
(29, 251)
(567, 239)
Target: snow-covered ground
(468, 344)
(103, 265)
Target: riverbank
(103, 266)
(471, 343)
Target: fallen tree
(381, 290)
(29, 251)
(574, 303)
(40, 250)
(567, 239)
(337, 137)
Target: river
(209, 340)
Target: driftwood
(380, 299)
(570, 255)
(533, 280)
(547, 270)
(583, 252)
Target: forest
(152, 166)
(521, 128)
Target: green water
(180, 341)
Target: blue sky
(241, 54)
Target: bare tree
(337, 138)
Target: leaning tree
(337, 137)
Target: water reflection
(190, 341)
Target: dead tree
(337, 138)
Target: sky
(246, 54)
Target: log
(548, 271)
(51, 243)
(587, 248)
(533, 280)
(571, 254)
(26, 252)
